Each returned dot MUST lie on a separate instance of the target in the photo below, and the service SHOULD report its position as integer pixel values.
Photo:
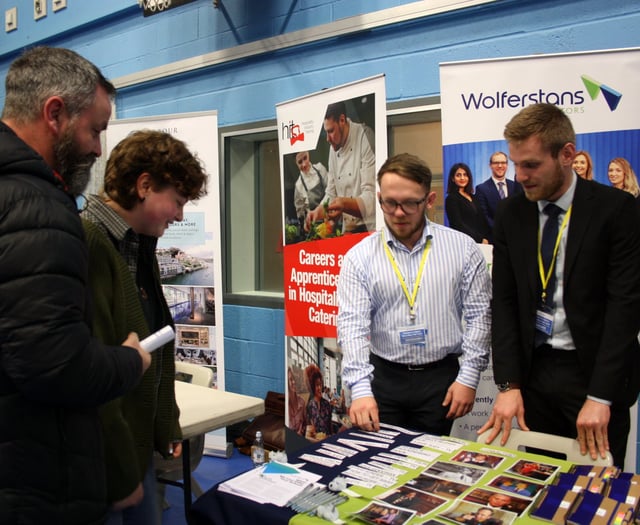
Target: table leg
(186, 478)
(185, 484)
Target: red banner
(310, 280)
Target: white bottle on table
(257, 450)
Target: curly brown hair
(312, 373)
(165, 158)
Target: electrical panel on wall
(59, 4)
(39, 9)
(153, 7)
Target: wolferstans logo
(292, 132)
(594, 88)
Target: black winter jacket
(53, 374)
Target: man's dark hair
(407, 166)
(336, 109)
(546, 121)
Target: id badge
(544, 320)
(410, 335)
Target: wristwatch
(505, 387)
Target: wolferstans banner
(597, 90)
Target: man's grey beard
(75, 169)
(78, 178)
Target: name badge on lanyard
(544, 320)
(410, 335)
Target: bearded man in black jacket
(53, 374)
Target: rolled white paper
(157, 339)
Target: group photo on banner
(596, 90)
(331, 145)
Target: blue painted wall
(117, 38)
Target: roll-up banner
(597, 90)
(331, 146)
(189, 252)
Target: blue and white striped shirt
(452, 305)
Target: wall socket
(39, 9)
(59, 4)
(11, 19)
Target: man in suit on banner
(564, 331)
(498, 187)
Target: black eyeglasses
(409, 207)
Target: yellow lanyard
(411, 298)
(546, 276)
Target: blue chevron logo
(594, 88)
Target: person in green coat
(149, 177)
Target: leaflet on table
(264, 487)
(501, 452)
(362, 445)
(359, 482)
(399, 430)
(403, 461)
(375, 436)
(388, 433)
(331, 453)
(438, 443)
(385, 470)
(385, 466)
(414, 452)
(321, 460)
(364, 474)
(346, 451)
(384, 439)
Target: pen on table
(334, 501)
(309, 501)
(301, 494)
(322, 499)
(307, 491)
(304, 501)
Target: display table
(205, 409)
(219, 508)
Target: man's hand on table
(459, 399)
(591, 424)
(364, 413)
(508, 405)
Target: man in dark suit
(564, 333)
(498, 187)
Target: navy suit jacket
(601, 289)
(488, 197)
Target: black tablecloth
(219, 508)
